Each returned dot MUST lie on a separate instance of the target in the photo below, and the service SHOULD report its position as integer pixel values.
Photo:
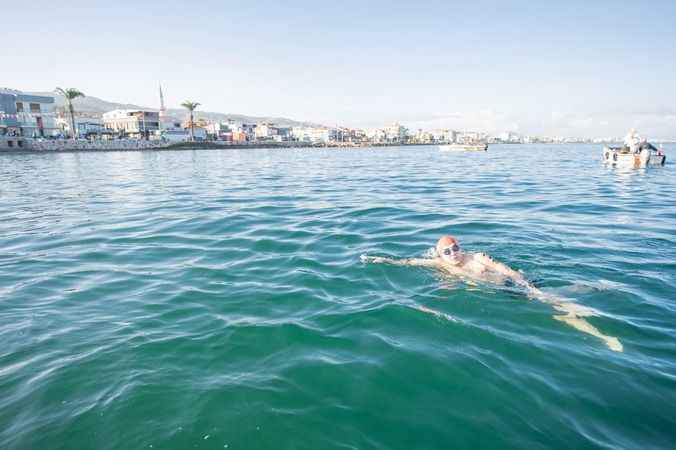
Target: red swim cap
(445, 241)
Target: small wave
(436, 313)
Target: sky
(575, 68)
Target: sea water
(215, 299)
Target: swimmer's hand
(372, 259)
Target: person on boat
(449, 257)
(632, 140)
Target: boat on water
(635, 153)
(482, 147)
(624, 157)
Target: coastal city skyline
(100, 123)
(570, 70)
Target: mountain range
(97, 106)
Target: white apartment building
(509, 136)
(132, 122)
(265, 131)
(271, 132)
(444, 135)
(220, 130)
(468, 137)
(376, 135)
(315, 135)
(395, 133)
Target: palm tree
(191, 106)
(70, 94)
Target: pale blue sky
(583, 67)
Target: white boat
(464, 147)
(646, 155)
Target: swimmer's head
(449, 250)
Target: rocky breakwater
(50, 145)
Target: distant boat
(645, 155)
(464, 147)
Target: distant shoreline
(208, 145)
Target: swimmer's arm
(424, 262)
(516, 277)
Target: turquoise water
(215, 299)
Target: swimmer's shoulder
(483, 258)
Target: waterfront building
(219, 131)
(23, 114)
(199, 133)
(239, 137)
(267, 131)
(182, 134)
(376, 135)
(283, 134)
(444, 136)
(175, 135)
(170, 123)
(356, 136)
(243, 132)
(392, 134)
(343, 135)
(510, 137)
(315, 135)
(422, 137)
(249, 129)
(395, 133)
(85, 125)
(470, 137)
(132, 122)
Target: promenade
(30, 145)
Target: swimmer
(450, 258)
